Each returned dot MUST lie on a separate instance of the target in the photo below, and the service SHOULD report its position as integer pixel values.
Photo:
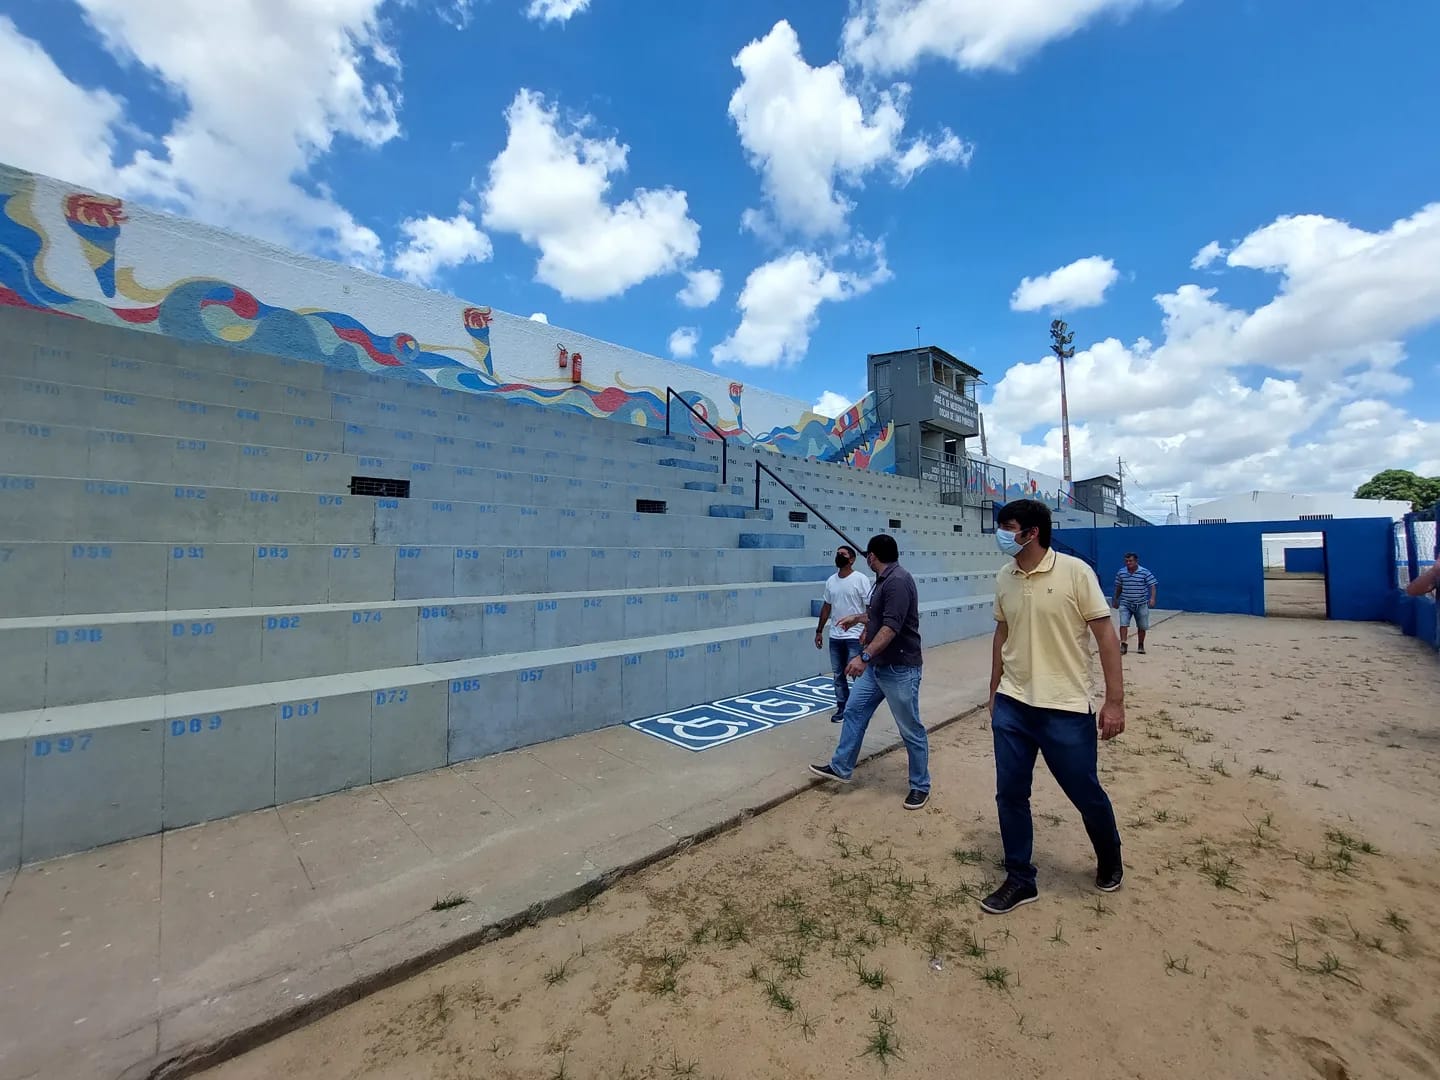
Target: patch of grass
(1053, 820)
(777, 996)
(1397, 921)
(679, 1068)
(882, 1044)
(996, 977)
(1221, 875)
(1058, 938)
(665, 985)
(937, 938)
(448, 901)
(1180, 965)
(792, 965)
(789, 902)
(807, 1027)
(560, 1072)
(972, 946)
(1331, 965)
(1099, 908)
(875, 978)
(1218, 767)
(701, 933)
(1317, 784)
(1264, 773)
(558, 974)
(1345, 842)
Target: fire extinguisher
(575, 367)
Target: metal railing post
(672, 393)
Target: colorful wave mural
(40, 261)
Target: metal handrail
(761, 466)
(671, 392)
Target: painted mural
(81, 255)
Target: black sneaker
(1141, 650)
(916, 800)
(1109, 876)
(1009, 896)
(825, 772)
(1124, 648)
(839, 716)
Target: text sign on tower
(954, 412)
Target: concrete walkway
(171, 951)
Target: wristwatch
(865, 657)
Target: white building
(1279, 506)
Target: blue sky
(1125, 133)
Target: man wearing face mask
(887, 669)
(1045, 605)
(846, 593)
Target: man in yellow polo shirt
(1046, 607)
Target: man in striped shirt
(1134, 597)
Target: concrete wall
(1305, 560)
(72, 252)
(1219, 568)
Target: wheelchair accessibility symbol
(821, 688)
(700, 727)
(771, 705)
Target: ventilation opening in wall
(894, 523)
(381, 487)
(650, 506)
(799, 516)
(959, 528)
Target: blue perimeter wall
(1218, 569)
(1304, 560)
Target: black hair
(1132, 555)
(1028, 514)
(884, 548)
(846, 547)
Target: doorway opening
(1296, 575)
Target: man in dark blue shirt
(888, 669)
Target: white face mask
(1008, 544)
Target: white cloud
(780, 300)
(832, 404)
(555, 10)
(539, 316)
(456, 13)
(890, 36)
(683, 342)
(950, 149)
(1207, 255)
(550, 185)
(1081, 284)
(264, 93)
(62, 130)
(433, 244)
(1290, 396)
(702, 288)
(808, 134)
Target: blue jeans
(900, 686)
(842, 651)
(1070, 744)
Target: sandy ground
(1295, 597)
(1277, 791)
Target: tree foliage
(1421, 492)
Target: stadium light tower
(1060, 344)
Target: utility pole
(917, 337)
(1176, 499)
(984, 447)
(1061, 338)
(1120, 475)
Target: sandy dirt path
(1279, 796)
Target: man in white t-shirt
(846, 593)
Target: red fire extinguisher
(575, 367)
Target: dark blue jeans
(842, 651)
(1070, 743)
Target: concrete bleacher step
(66, 578)
(66, 660)
(189, 585)
(99, 772)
